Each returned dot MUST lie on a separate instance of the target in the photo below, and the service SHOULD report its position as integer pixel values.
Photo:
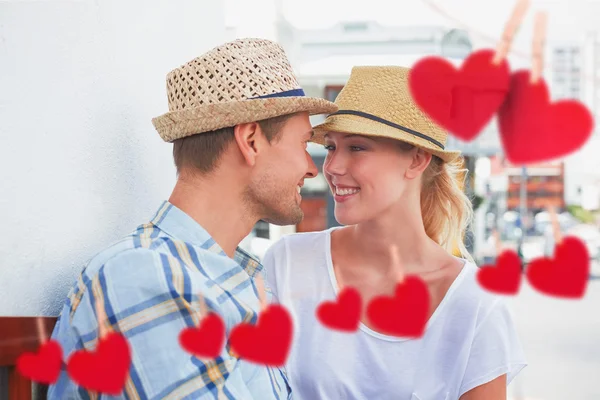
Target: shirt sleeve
(496, 350)
(148, 297)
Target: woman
(394, 185)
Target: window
(331, 92)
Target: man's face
(275, 187)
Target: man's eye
(356, 148)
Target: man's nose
(312, 168)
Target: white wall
(80, 162)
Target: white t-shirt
(469, 340)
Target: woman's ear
(420, 161)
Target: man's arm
(148, 297)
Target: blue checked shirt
(148, 285)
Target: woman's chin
(344, 218)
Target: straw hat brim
(179, 124)
(361, 126)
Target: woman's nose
(335, 164)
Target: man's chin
(283, 220)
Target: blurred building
(575, 74)
(544, 185)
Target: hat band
(287, 93)
(388, 123)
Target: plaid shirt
(148, 285)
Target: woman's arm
(493, 390)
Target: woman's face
(367, 176)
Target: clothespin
(555, 224)
(262, 297)
(539, 38)
(203, 309)
(510, 30)
(101, 315)
(396, 263)
(41, 330)
(497, 242)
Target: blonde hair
(447, 211)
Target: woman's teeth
(346, 192)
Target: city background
(81, 164)
(560, 338)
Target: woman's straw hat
(242, 81)
(376, 101)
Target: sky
(568, 20)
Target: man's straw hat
(376, 101)
(246, 80)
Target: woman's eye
(329, 147)
(356, 148)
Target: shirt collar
(178, 224)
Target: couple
(239, 123)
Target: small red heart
(104, 370)
(268, 342)
(565, 275)
(207, 340)
(343, 314)
(43, 366)
(532, 129)
(404, 314)
(461, 100)
(504, 277)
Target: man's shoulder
(124, 250)
(141, 260)
(145, 243)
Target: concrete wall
(80, 162)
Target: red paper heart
(404, 314)
(207, 340)
(504, 277)
(343, 314)
(268, 342)
(564, 275)
(104, 370)
(461, 100)
(43, 366)
(533, 129)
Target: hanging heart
(405, 313)
(268, 342)
(42, 366)
(207, 340)
(533, 129)
(504, 277)
(343, 314)
(104, 370)
(461, 100)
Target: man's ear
(250, 140)
(420, 162)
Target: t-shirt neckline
(334, 285)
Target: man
(232, 172)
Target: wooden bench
(18, 335)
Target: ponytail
(446, 209)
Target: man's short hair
(203, 151)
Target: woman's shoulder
(470, 297)
(301, 241)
